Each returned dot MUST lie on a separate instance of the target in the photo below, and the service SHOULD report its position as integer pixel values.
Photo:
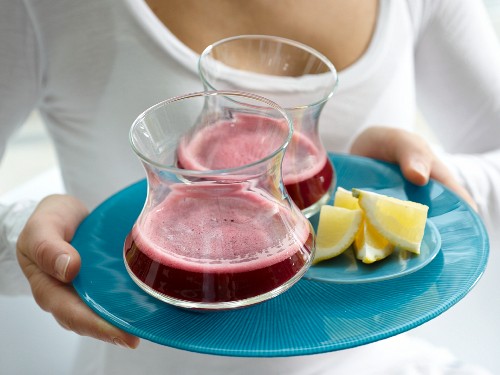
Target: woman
(91, 67)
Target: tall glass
(298, 78)
(218, 230)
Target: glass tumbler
(218, 229)
(299, 79)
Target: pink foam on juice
(307, 174)
(217, 251)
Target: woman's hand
(50, 263)
(417, 161)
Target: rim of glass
(228, 94)
(279, 39)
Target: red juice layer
(306, 193)
(247, 139)
(216, 239)
(212, 286)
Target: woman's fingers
(72, 313)
(442, 174)
(44, 241)
(416, 159)
(50, 262)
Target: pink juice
(217, 244)
(307, 172)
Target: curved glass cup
(299, 79)
(217, 230)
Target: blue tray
(311, 317)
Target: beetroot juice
(307, 173)
(205, 245)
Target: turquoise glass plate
(345, 268)
(311, 317)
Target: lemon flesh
(337, 229)
(401, 222)
(370, 246)
(344, 198)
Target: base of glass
(226, 305)
(316, 207)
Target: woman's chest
(341, 30)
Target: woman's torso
(107, 61)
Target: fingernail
(420, 168)
(120, 342)
(61, 266)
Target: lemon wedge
(370, 246)
(337, 228)
(401, 222)
(344, 198)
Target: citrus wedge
(337, 229)
(344, 198)
(370, 246)
(401, 222)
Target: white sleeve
(458, 91)
(20, 67)
(20, 82)
(12, 220)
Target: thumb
(44, 241)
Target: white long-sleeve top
(90, 67)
